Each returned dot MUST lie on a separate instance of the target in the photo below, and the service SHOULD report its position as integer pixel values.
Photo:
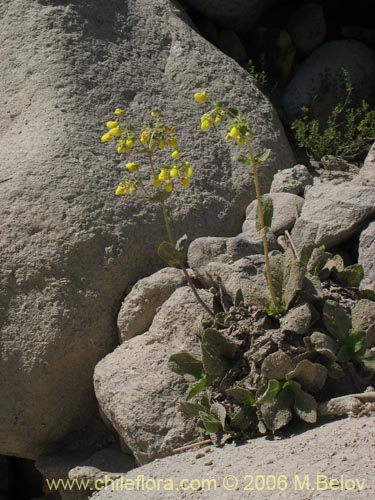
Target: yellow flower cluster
(167, 174)
(126, 187)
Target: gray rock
(299, 319)
(240, 15)
(95, 469)
(366, 257)
(69, 248)
(140, 305)
(286, 209)
(136, 390)
(366, 175)
(333, 213)
(307, 28)
(227, 250)
(336, 446)
(230, 43)
(318, 83)
(363, 320)
(292, 180)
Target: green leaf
(200, 386)
(351, 276)
(220, 412)
(312, 376)
(318, 260)
(262, 157)
(367, 294)
(169, 254)
(294, 275)
(277, 414)
(267, 205)
(270, 394)
(238, 298)
(336, 320)
(159, 198)
(243, 419)
(276, 365)
(210, 422)
(304, 404)
(185, 363)
(245, 160)
(305, 255)
(368, 360)
(192, 409)
(242, 396)
(217, 352)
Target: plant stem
(263, 228)
(182, 265)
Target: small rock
(147, 295)
(292, 180)
(307, 28)
(299, 319)
(286, 209)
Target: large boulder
(240, 15)
(292, 180)
(69, 248)
(318, 83)
(366, 256)
(137, 391)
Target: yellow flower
(189, 172)
(125, 188)
(121, 189)
(144, 138)
(174, 172)
(112, 124)
(115, 132)
(176, 154)
(119, 112)
(132, 167)
(106, 137)
(170, 129)
(234, 132)
(217, 120)
(155, 113)
(168, 186)
(121, 148)
(206, 123)
(161, 144)
(129, 142)
(200, 97)
(157, 181)
(184, 181)
(172, 142)
(163, 175)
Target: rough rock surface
(140, 305)
(333, 213)
(286, 209)
(366, 175)
(363, 320)
(69, 249)
(307, 27)
(204, 250)
(136, 390)
(366, 256)
(318, 83)
(240, 15)
(320, 454)
(292, 180)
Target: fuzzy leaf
(271, 392)
(210, 422)
(185, 363)
(200, 386)
(305, 255)
(192, 409)
(318, 260)
(334, 265)
(324, 345)
(262, 157)
(277, 365)
(238, 298)
(220, 412)
(350, 276)
(267, 205)
(245, 160)
(312, 376)
(169, 254)
(242, 396)
(276, 414)
(294, 275)
(217, 352)
(305, 406)
(336, 320)
(335, 371)
(243, 419)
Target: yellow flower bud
(161, 144)
(170, 129)
(206, 124)
(129, 142)
(168, 186)
(132, 167)
(234, 132)
(217, 120)
(176, 154)
(121, 189)
(144, 138)
(200, 97)
(112, 124)
(106, 137)
(155, 113)
(119, 112)
(163, 175)
(184, 181)
(174, 172)
(115, 132)
(189, 172)
(157, 182)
